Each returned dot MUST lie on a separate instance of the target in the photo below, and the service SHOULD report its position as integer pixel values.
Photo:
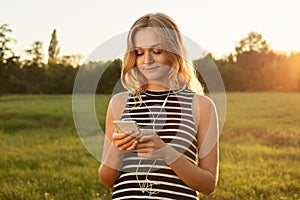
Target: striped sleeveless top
(142, 178)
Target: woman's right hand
(126, 141)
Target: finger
(143, 145)
(121, 135)
(133, 146)
(123, 140)
(116, 130)
(145, 139)
(135, 134)
(118, 136)
(127, 145)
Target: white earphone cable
(146, 186)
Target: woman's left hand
(149, 145)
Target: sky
(215, 25)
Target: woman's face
(152, 61)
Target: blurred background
(254, 44)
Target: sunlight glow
(215, 25)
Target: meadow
(42, 156)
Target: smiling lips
(150, 68)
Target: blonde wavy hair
(182, 75)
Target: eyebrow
(151, 46)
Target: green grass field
(42, 157)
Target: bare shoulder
(201, 106)
(119, 98)
(117, 104)
(203, 103)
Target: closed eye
(157, 51)
(139, 53)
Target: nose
(148, 59)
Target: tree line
(253, 66)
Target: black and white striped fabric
(174, 123)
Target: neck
(157, 87)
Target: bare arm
(111, 163)
(203, 177)
(108, 174)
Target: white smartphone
(126, 126)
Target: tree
(5, 50)
(71, 60)
(53, 49)
(110, 77)
(254, 42)
(36, 54)
(253, 52)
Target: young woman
(169, 157)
